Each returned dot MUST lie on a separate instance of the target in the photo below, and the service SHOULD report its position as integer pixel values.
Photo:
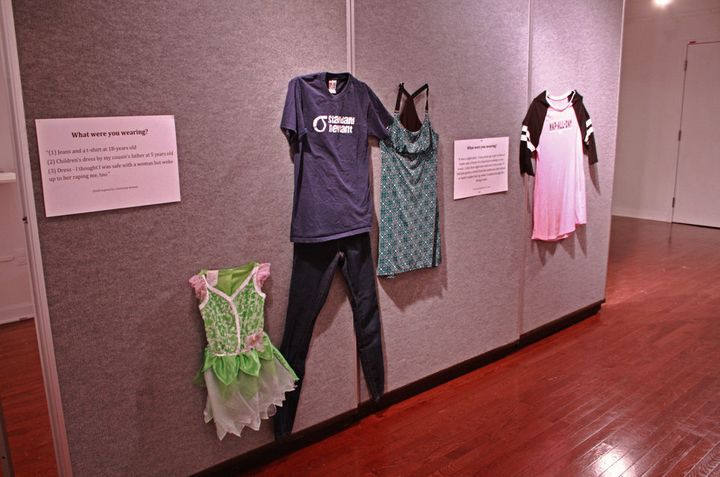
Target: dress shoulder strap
(422, 88)
(401, 90)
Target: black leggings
(314, 265)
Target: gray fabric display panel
(576, 45)
(127, 332)
(474, 57)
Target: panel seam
(350, 63)
(527, 224)
(350, 34)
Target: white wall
(15, 295)
(650, 100)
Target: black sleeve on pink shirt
(588, 133)
(530, 135)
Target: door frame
(9, 56)
(682, 110)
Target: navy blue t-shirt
(329, 135)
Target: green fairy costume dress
(245, 375)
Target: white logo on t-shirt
(324, 123)
(334, 124)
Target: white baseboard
(20, 311)
(640, 214)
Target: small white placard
(91, 164)
(481, 166)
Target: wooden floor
(23, 401)
(634, 390)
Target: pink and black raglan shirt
(558, 131)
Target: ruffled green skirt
(246, 388)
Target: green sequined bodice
(233, 321)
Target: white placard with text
(92, 164)
(481, 166)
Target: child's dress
(245, 375)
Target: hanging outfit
(409, 235)
(245, 375)
(557, 130)
(327, 120)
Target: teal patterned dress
(245, 375)
(409, 216)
